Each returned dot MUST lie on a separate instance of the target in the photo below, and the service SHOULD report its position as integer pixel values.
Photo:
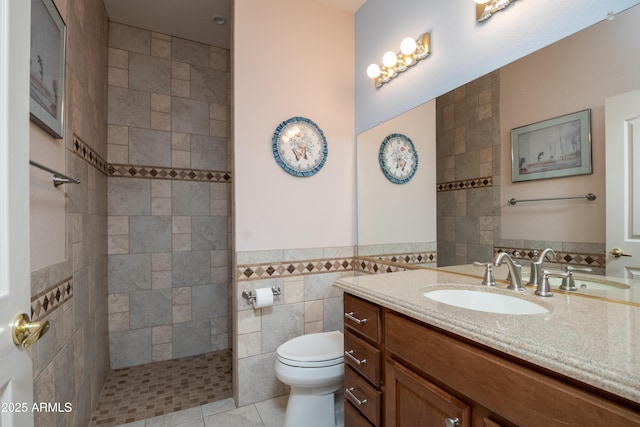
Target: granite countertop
(591, 340)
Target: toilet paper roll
(264, 298)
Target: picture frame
(554, 148)
(47, 66)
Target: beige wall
(574, 74)
(292, 59)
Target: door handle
(617, 253)
(25, 332)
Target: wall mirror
(411, 222)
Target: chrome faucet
(515, 270)
(536, 266)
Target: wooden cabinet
(502, 391)
(363, 362)
(404, 373)
(413, 401)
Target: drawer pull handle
(452, 422)
(350, 316)
(353, 398)
(357, 361)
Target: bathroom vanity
(410, 360)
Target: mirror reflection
(455, 210)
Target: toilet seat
(313, 350)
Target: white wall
(394, 213)
(292, 58)
(462, 49)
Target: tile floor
(224, 413)
(156, 389)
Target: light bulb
(373, 71)
(408, 46)
(389, 59)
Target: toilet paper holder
(251, 295)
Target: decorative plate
(299, 146)
(398, 158)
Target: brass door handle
(26, 332)
(617, 253)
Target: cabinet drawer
(363, 358)
(362, 396)
(362, 317)
(353, 418)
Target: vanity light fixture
(486, 8)
(411, 51)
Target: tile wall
(308, 303)
(168, 197)
(71, 361)
(468, 159)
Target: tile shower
(168, 197)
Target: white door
(16, 390)
(622, 122)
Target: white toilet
(313, 365)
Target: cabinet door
(412, 401)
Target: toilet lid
(320, 349)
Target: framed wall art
(398, 158)
(48, 37)
(552, 148)
(299, 146)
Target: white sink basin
(489, 302)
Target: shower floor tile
(159, 388)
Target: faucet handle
(544, 288)
(488, 279)
(569, 283)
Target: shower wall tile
(191, 268)
(208, 84)
(129, 38)
(190, 116)
(129, 196)
(209, 153)
(128, 273)
(168, 235)
(129, 348)
(149, 73)
(149, 147)
(191, 338)
(128, 107)
(190, 52)
(150, 308)
(191, 198)
(209, 232)
(150, 234)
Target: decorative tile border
(248, 272)
(49, 300)
(155, 172)
(89, 155)
(148, 172)
(584, 259)
(394, 262)
(466, 184)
